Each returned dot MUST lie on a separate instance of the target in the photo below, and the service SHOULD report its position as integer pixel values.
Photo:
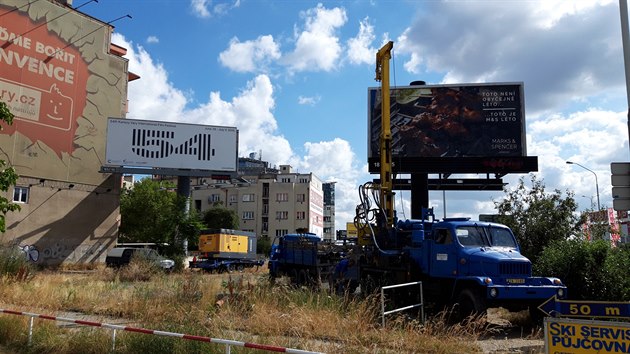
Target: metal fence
(421, 304)
(228, 343)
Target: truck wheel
(240, 268)
(469, 303)
(230, 268)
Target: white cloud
(311, 101)
(335, 161)
(153, 39)
(163, 101)
(200, 7)
(359, 50)
(558, 54)
(204, 8)
(250, 56)
(251, 111)
(317, 46)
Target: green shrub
(14, 265)
(263, 245)
(591, 270)
(140, 268)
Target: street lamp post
(596, 184)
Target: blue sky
(292, 76)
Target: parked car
(120, 256)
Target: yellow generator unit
(227, 243)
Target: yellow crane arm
(382, 74)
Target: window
(282, 197)
(281, 232)
(282, 215)
(471, 237)
(198, 205)
(20, 194)
(300, 198)
(301, 215)
(265, 226)
(248, 197)
(326, 218)
(214, 198)
(285, 180)
(248, 215)
(443, 237)
(233, 198)
(265, 209)
(265, 190)
(303, 180)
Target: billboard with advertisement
(143, 143)
(475, 121)
(61, 82)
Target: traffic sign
(620, 168)
(585, 309)
(622, 204)
(620, 180)
(621, 192)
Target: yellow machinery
(386, 195)
(383, 214)
(226, 243)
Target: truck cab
(478, 263)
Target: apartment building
(270, 202)
(329, 211)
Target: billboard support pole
(183, 189)
(419, 194)
(623, 12)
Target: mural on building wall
(61, 84)
(64, 250)
(31, 253)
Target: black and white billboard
(143, 143)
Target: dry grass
(241, 306)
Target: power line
(51, 56)
(19, 8)
(9, 42)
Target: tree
(220, 217)
(538, 218)
(8, 176)
(153, 212)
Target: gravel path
(512, 345)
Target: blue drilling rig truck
(471, 264)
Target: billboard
(451, 121)
(143, 143)
(59, 79)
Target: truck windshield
(501, 237)
(473, 236)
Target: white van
(120, 256)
